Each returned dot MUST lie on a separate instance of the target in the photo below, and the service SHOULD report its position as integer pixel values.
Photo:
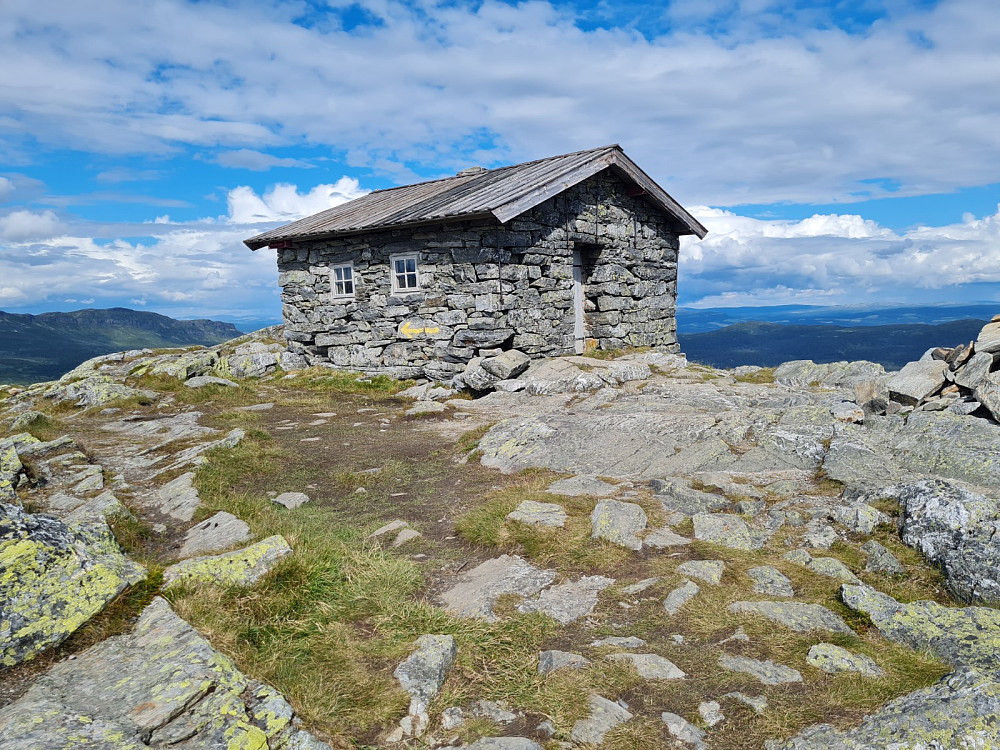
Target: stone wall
(487, 286)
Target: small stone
(494, 712)
(240, 568)
(546, 729)
(881, 560)
(389, 528)
(640, 586)
(221, 531)
(618, 523)
(680, 596)
(683, 730)
(798, 616)
(291, 500)
(711, 713)
(833, 659)
(550, 661)
(757, 702)
(821, 538)
(651, 666)
(540, 514)
(726, 530)
(451, 718)
(581, 485)
(768, 672)
(738, 635)
(423, 672)
(709, 571)
(861, 518)
(770, 581)
(629, 641)
(404, 536)
(604, 716)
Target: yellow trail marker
(409, 330)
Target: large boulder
(956, 528)
(162, 685)
(53, 578)
(917, 380)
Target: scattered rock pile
(962, 380)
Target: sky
(839, 153)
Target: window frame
(334, 281)
(394, 277)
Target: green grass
(763, 376)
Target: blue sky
(838, 152)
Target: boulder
(200, 381)
(709, 571)
(956, 528)
(872, 395)
(881, 560)
(569, 601)
(618, 523)
(506, 366)
(916, 381)
(291, 500)
(240, 568)
(53, 578)
(987, 393)
(974, 371)
(677, 495)
(798, 616)
(989, 338)
(664, 537)
(824, 566)
(725, 530)
(833, 659)
(604, 716)
(162, 685)
(478, 590)
(769, 581)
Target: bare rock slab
(423, 672)
(833, 659)
(582, 485)
(538, 514)
(291, 500)
(725, 530)
(651, 666)
(770, 581)
(618, 523)
(709, 571)
(569, 601)
(161, 685)
(178, 498)
(478, 590)
(768, 672)
(503, 743)
(798, 616)
(916, 381)
(550, 661)
(53, 579)
(221, 531)
(604, 716)
(243, 567)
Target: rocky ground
(218, 548)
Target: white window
(403, 269)
(342, 280)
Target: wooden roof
(502, 193)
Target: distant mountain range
(700, 320)
(44, 347)
(769, 344)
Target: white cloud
(284, 202)
(18, 226)
(257, 161)
(6, 188)
(833, 259)
(801, 113)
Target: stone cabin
(550, 257)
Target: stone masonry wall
(487, 286)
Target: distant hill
(44, 347)
(770, 344)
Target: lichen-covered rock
(538, 514)
(678, 496)
(618, 523)
(243, 567)
(824, 566)
(962, 636)
(960, 711)
(248, 365)
(957, 529)
(725, 530)
(860, 517)
(881, 560)
(507, 365)
(604, 716)
(478, 590)
(161, 685)
(54, 578)
(422, 674)
(832, 659)
(183, 366)
(10, 471)
(768, 672)
(770, 581)
(664, 537)
(798, 616)
(95, 390)
(709, 571)
(651, 666)
(569, 601)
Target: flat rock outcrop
(161, 685)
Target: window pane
(411, 265)
(348, 287)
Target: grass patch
(762, 376)
(344, 381)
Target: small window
(404, 273)
(342, 280)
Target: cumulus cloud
(18, 226)
(284, 202)
(832, 259)
(719, 111)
